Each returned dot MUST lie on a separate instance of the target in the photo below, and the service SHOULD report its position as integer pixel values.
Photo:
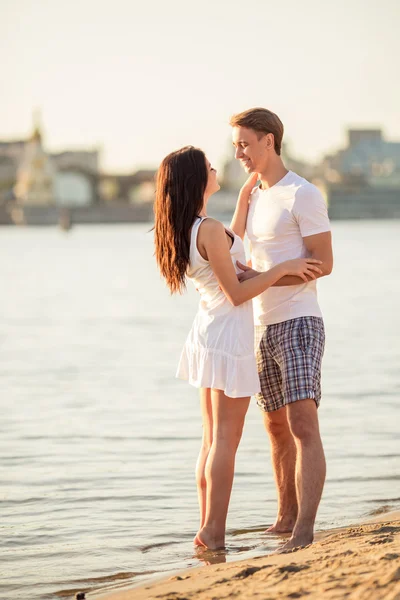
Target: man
(287, 218)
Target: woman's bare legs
(206, 413)
(228, 415)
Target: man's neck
(274, 173)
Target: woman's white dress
(219, 350)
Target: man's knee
(303, 420)
(276, 423)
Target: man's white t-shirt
(278, 220)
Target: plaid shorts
(289, 357)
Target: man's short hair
(263, 121)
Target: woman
(218, 356)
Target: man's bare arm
(319, 246)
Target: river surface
(98, 440)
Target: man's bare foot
(278, 529)
(295, 543)
(281, 526)
(207, 539)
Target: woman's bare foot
(206, 538)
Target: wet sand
(361, 562)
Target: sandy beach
(360, 562)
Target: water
(98, 441)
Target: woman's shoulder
(211, 225)
(211, 232)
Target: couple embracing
(286, 221)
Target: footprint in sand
(292, 568)
(246, 572)
(387, 529)
(384, 539)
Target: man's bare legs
(206, 414)
(228, 415)
(299, 466)
(310, 469)
(283, 456)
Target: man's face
(250, 150)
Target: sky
(139, 79)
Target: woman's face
(212, 183)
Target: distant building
(35, 174)
(11, 153)
(363, 179)
(368, 158)
(136, 188)
(87, 160)
(30, 176)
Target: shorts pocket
(311, 334)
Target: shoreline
(360, 562)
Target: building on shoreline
(362, 180)
(40, 187)
(359, 181)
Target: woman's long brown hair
(181, 183)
